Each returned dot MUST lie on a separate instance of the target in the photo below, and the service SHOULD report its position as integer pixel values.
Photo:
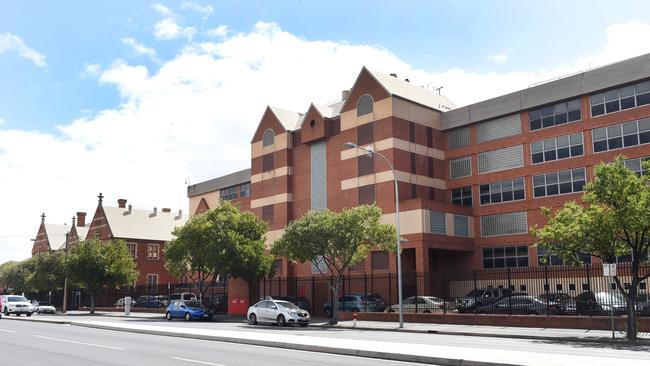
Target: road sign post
(609, 271)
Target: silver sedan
(278, 312)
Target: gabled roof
(329, 110)
(412, 92)
(142, 224)
(56, 235)
(290, 120)
(82, 232)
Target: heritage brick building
(472, 180)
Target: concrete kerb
(293, 346)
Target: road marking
(196, 361)
(82, 343)
(7, 330)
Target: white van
(16, 304)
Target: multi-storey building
(472, 180)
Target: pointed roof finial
(101, 198)
(43, 217)
(74, 218)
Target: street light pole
(370, 152)
(65, 277)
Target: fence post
(444, 293)
(313, 296)
(365, 291)
(509, 297)
(588, 277)
(546, 289)
(295, 288)
(474, 275)
(390, 293)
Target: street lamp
(370, 152)
(65, 277)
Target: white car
(16, 304)
(42, 307)
(420, 304)
(278, 312)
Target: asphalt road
(32, 343)
(619, 350)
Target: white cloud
(141, 50)
(194, 117)
(220, 31)
(205, 10)
(168, 27)
(2, 121)
(11, 42)
(162, 9)
(91, 70)
(498, 58)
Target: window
(411, 132)
(499, 128)
(554, 115)
(267, 213)
(636, 165)
(318, 171)
(546, 257)
(367, 195)
(618, 99)
(414, 191)
(267, 162)
(229, 193)
(503, 191)
(153, 251)
(461, 225)
(462, 196)
(459, 138)
(501, 159)
(504, 224)
(133, 250)
(379, 260)
(268, 138)
(504, 257)
(365, 165)
(414, 163)
(562, 182)
(624, 135)
(461, 167)
(319, 267)
(245, 190)
(365, 134)
(557, 148)
(430, 166)
(277, 267)
(437, 223)
(364, 105)
(152, 280)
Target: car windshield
(608, 298)
(16, 299)
(43, 303)
(475, 293)
(192, 304)
(287, 305)
(369, 298)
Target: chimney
(345, 94)
(180, 215)
(166, 209)
(121, 203)
(155, 212)
(393, 75)
(407, 80)
(81, 219)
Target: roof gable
(270, 119)
(143, 224)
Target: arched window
(268, 138)
(364, 105)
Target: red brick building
(472, 180)
(49, 237)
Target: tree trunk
(631, 303)
(92, 303)
(335, 302)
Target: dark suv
(480, 297)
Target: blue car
(188, 310)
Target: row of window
(562, 182)
(554, 115)
(618, 99)
(438, 224)
(557, 148)
(622, 135)
(231, 193)
(153, 251)
(517, 256)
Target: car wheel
(6, 312)
(303, 325)
(281, 321)
(29, 314)
(188, 317)
(355, 310)
(390, 310)
(427, 312)
(168, 316)
(18, 314)
(252, 320)
(533, 313)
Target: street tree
(14, 276)
(338, 240)
(94, 264)
(48, 271)
(217, 243)
(612, 221)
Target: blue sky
(132, 98)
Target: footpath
(394, 350)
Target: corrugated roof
(290, 120)
(141, 224)
(412, 92)
(56, 235)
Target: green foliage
(340, 240)
(48, 271)
(14, 276)
(94, 264)
(220, 242)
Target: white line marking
(195, 361)
(75, 342)
(7, 330)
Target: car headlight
(293, 313)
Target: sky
(135, 99)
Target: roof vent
(345, 94)
(154, 213)
(166, 209)
(180, 215)
(393, 75)
(407, 80)
(129, 211)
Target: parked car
(42, 307)
(566, 305)
(300, 302)
(16, 304)
(357, 303)
(480, 297)
(601, 303)
(519, 304)
(420, 304)
(278, 312)
(149, 302)
(188, 310)
(120, 303)
(183, 296)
